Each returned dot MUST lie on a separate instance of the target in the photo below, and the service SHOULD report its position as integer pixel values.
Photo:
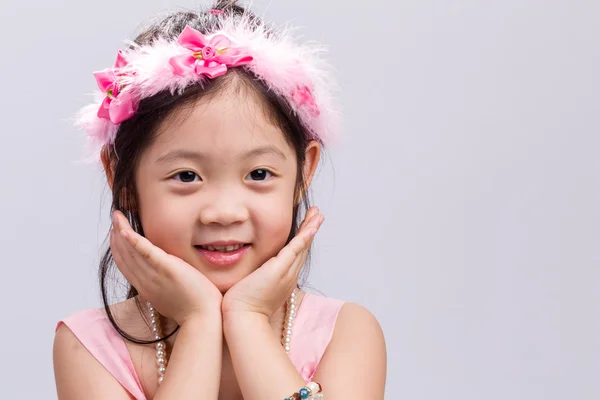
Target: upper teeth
(224, 248)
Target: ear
(312, 155)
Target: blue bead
(304, 393)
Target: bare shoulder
(78, 374)
(357, 328)
(356, 353)
(356, 321)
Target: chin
(224, 286)
(225, 280)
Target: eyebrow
(198, 156)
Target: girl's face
(222, 172)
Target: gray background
(462, 205)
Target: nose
(224, 209)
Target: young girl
(210, 128)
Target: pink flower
(208, 53)
(117, 106)
(302, 96)
(209, 57)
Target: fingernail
(320, 220)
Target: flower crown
(294, 72)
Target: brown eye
(186, 176)
(259, 174)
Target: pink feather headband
(295, 72)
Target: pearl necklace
(161, 349)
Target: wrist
(241, 319)
(211, 317)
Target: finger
(115, 220)
(143, 250)
(122, 232)
(310, 230)
(129, 255)
(313, 223)
(119, 254)
(290, 256)
(309, 214)
(298, 263)
(289, 253)
(120, 221)
(142, 257)
(310, 221)
(294, 271)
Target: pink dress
(313, 329)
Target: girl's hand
(175, 288)
(265, 290)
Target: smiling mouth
(224, 249)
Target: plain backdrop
(462, 205)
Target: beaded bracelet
(312, 391)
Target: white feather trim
(278, 60)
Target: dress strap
(94, 330)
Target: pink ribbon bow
(117, 106)
(209, 57)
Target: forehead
(222, 127)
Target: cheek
(165, 224)
(273, 221)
